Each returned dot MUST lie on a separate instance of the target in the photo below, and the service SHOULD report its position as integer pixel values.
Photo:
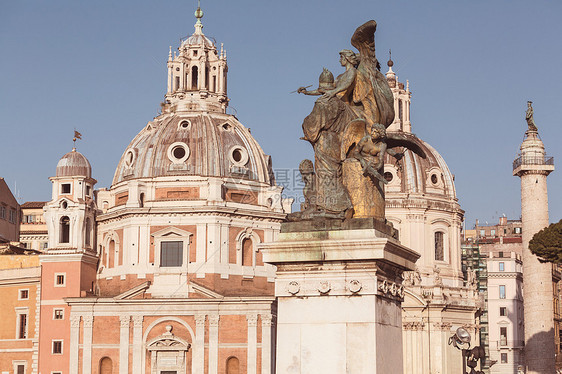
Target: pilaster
(73, 344)
(199, 346)
(124, 322)
(252, 343)
(213, 343)
(137, 343)
(266, 324)
(87, 344)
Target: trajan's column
(532, 166)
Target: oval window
(184, 125)
(129, 158)
(434, 178)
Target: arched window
(64, 230)
(141, 200)
(247, 252)
(111, 253)
(207, 78)
(106, 366)
(194, 76)
(232, 366)
(439, 246)
(88, 234)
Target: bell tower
(402, 99)
(197, 74)
(70, 214)
(68, 266)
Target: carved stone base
(339, 294)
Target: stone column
(87, 344)
(266, 343)
(213, 344)
(252, 343)
(537, 277)
(137, 343)
(124, 344)
(73, 346)
(198, 363)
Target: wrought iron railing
(529, 160)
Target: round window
(434, 179)
(388, 176)
(64, 205)
(178, 152)
(238, 156)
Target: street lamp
(470, 357)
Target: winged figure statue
(347, 129)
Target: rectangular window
(45, 245)
(439, 253)
(503, 335)
(88, 190)
(60, 279)
(502, 292)
(24, 295)
(518, 230)
(482, 232)
(500, 254)
(20, 369)
(502, 266)
(2, 212)
(171, 254)
(504, 358)
(58, 314)
(22, 326)
(65, 188)
(57, 347)
(12, 216)
(493, 232)
(503, 311)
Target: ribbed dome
(194, 143)
(415, 175)
(74, 164)
(198, 39)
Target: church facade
(161, 273)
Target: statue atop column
(347, 129)
(529, 117)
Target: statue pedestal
(339, 298)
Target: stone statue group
(347, 129)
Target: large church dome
(416, 175)
(194, 143)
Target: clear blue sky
(100, 66)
